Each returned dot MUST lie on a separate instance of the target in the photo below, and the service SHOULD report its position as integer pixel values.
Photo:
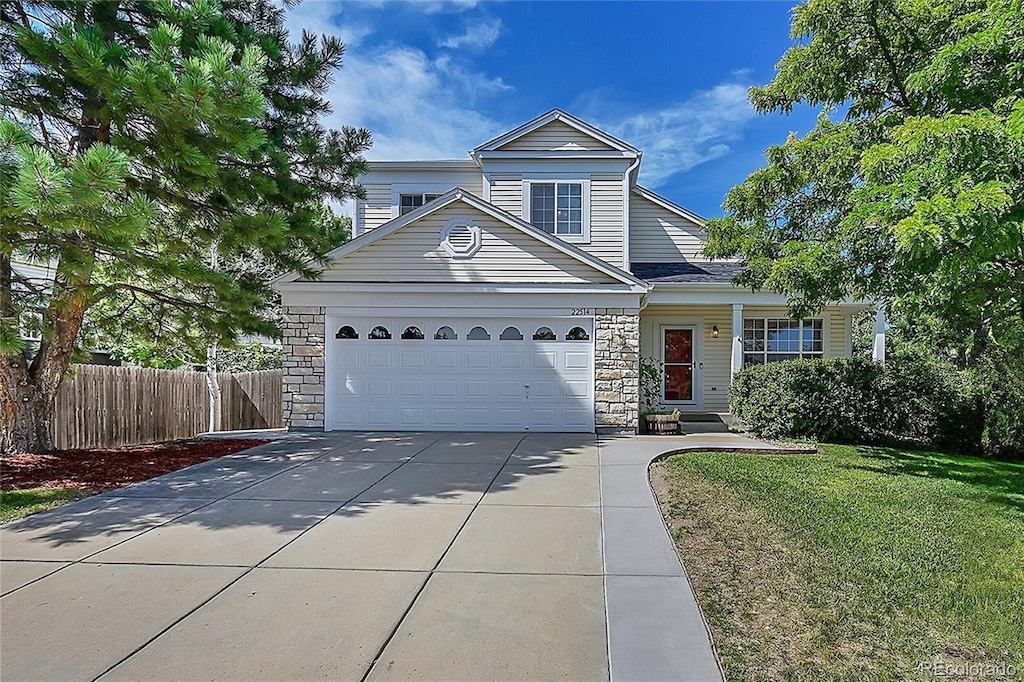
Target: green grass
(15, 504)
(853, 564)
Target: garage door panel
(445, 388)
(379, 358)
(478, 359)
(577, 389)
(510, 360)
(378, 388)
(411, 388)
(577, 359)
(445, 418)
(547, 359)
(478, 417)
(378, 416)
(461, 384)
(510, 389)
(447, 359)
(478, 389)
(412, 359)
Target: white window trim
(398, 189)
(584, 183)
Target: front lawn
(854, 564)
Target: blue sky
(435, 79)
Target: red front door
(678, 354)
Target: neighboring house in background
(40, 276)
(518, 289)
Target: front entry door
(678, 357)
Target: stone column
(303, 380)
(617, 369)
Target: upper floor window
(410, 202)
(559, 208)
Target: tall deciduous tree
(138, 136)
(910, 189)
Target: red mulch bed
(114, 467)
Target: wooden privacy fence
(100, 406)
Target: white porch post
(737, 339)
(878, 347)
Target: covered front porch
(699, 336)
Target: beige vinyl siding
(657, 235)
(507, 255)
(376, 209)
(555, 136)
(606, 218)
(507, 193)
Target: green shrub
(913, 399)
(996, 385)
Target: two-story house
(518, 289)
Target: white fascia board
(668, 205)
(540, 167)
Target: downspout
(627, 186)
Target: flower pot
(662, 423)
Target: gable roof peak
(555, 115)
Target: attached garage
(450, 374)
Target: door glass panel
(678, 345)
(679, 382)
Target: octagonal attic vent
(460, 239)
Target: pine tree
(137, 138)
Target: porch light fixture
(714, 331)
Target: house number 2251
(579, 311)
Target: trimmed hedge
(913, 399)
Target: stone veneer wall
(303, 381)
(617, 368)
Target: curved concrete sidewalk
(364, 556)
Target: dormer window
(410, 202)
(559, 207)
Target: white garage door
(441, 374)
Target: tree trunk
(213, 386)
(25, 413)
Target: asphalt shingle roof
(686, 272)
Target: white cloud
(684, 135)
(481, 35)
(319, 17)
(416, 108)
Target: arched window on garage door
(478, 334)
(544, 334)
(577, 334)
(412, 333)
(511, 334)
(445, 334)
(379, 332)
(347, 332)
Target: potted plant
(657, 418)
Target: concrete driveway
(362, 557)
